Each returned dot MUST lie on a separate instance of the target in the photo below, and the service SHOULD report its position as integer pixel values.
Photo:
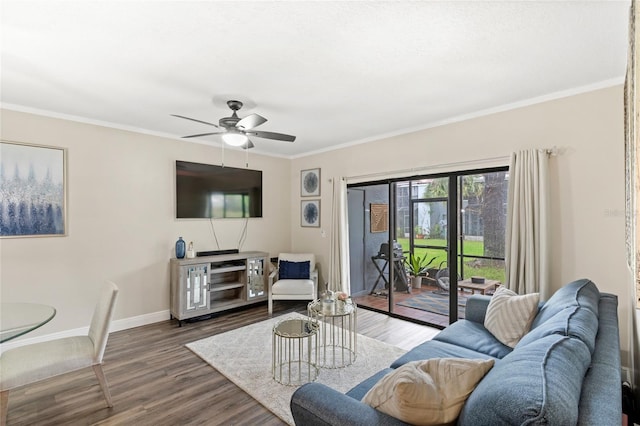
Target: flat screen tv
(209, 191)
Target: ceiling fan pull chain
(246, 157)
(223, 154)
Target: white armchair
(289, 281)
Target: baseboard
(117, 325)
(126, 323)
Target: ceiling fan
(235, 131)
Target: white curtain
(527, 234)
(339, 260)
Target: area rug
(244, 357)
(436, 303)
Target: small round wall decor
(310, 213)
(310, 183)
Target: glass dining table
(17, 319)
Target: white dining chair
(31, 363)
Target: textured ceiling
(331, 73)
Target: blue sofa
(564, 371)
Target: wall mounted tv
(209, 191)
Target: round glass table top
(295, 328)
(334, 308)
(17, 319)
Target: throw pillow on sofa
(428, 392)
(509, 315)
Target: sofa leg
(270, 303)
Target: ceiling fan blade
(193, 119)
(202, 134)
(248, 145)
(250, 121)
(272, 135)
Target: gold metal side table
(295, 351)
(338, 332)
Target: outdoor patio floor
(381, 303)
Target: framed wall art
(310, 183)
(310, 213)
(33, 190)
(379, 217)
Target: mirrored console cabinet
(209, 284)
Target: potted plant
(418, 232)
(417, 265)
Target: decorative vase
(180, 248)
(416, 282)
(191, 253)
(328, 306)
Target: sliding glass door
(483, 218)
(446, 228)
(427, 239)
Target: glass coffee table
(338, 332)
(295, 351)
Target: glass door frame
(454, 206)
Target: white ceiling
(331, 73)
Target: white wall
(587, 194)
(122, 226)
(121, 220)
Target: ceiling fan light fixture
(235, 138)
(234, 129)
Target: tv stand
(209, 284)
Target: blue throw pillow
(294, 270)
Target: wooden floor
(381, 303)
(155, 380)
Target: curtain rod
(552, 152)
(414, 170)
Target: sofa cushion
(539, 383)
(472, 335)
(574, 321)
(294, 270)
(437, 349)
(428, 392)
(292, 287)
(578, 293)
(509, 315)
(571, 311)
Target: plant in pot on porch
(416, 266)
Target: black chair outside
(401, 283)
(442, 279)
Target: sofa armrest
(315, 404)
(601, 390)
(476, 308)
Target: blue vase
(180, 248)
